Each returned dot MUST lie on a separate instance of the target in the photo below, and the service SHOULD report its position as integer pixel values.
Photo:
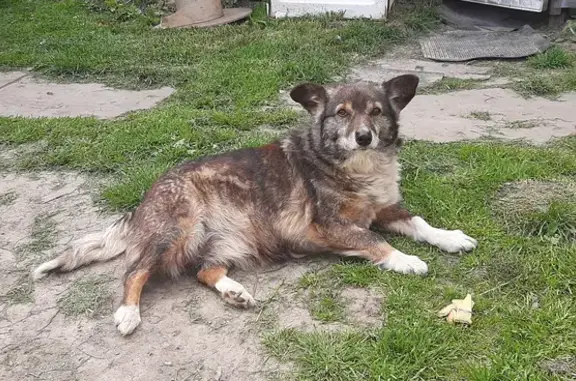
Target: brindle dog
(319, 190)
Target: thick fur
(317, 190)
(96, 247)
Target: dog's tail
(95, 247)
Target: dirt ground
(49, 332)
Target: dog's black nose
(363, 138)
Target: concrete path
(469, 114)
(461, 115)
(21, 94)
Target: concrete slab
(483, 113)
(505, 115)
(10, 77)
(33, 97)
(428, 71)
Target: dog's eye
(376, 111)
(342, 113)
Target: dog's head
(360, 116)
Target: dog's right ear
(400, 90)
(311, 96)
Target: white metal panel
(523, 5)
(375, 9)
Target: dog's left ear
(311, 96)
(400, 91)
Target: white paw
(241, 299)
(234, 293)
(405, 264)
(127, 318)
(454, 241)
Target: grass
(546, 85)
(87, 297)
(522, 124)
(20, 293)
(539, 208)
(480, 115)
(553, 58)
(510, 334)
(322, 297)
(227, 78)
(448, 84)
(558, 220)
(43, 233)
(548, 74)
(569, 31)
(227, 83)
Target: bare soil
(61, 328)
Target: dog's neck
(360, 169)
(369, 162)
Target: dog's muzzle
(363, 138)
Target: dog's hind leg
(127, 317)
(141, 264)
(231, 291)
(398, 220)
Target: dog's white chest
(377, 175)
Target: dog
(324, 188)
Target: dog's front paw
(239, 298)
(405, 264)
(454, 241)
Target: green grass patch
(42, 236)
(541, 75)
(553, 58)
(88, 297)
(227, 78)
(21, 292)
(539, 208)
(230, 66)
(546, 85)
(322, 297)
(522, 284)
(559, 220)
